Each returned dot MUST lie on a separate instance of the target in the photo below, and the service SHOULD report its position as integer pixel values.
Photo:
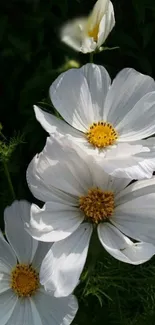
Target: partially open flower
(85, 34)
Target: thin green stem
(9, 179)
(94, 251)
(91, 57)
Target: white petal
(88, 44)
(25, 313)
(147, 162)
(7, 257)
(8, 301)
(136, 190)
(99, 82)
(121, 247)
(134, 212)
(36, 184)
(60, 166)
(99, 10)
(4, 278)
(53, 124)
(62, 266)
(55, 311)
(128, 149)
(106, 25)
(137, 223)
(138, 123)
(54, 221)
(14, 217)
(135, 160)
(72, 33)
(140, 252)
(70, 95)
(116, 184)
(105, 181)
(127, 89)
(150, 142)
(42, 190)
(41, 251)
(134, 167)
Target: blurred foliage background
(32, 56)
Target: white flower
(106, 120)
(23, 301)
(80, 196)
(88, 33)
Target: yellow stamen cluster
(101, 134)
(97, 205)
(24, 280)
(94, 32)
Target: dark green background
(31, 57)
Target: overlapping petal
(72, 34)
(128, 87)
(41, 251)
(134, 167)
(133, 126)
(8, 301)
(4, 278)
(134, 214)
(106, 24)
(53, 124)
(60, 167)
(121, 247)
(55, 311)
(24, 313)
(99, 82)
(53, 222)
(14, 217)
(62, 266)
(7, 256)
(70, 95)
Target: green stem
(94, 251)
(91, 57)
(9, 179)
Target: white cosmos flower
(23, 300)
(78, 195)
(85, 34)
(106, 120)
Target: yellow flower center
(94, 32)
(97, 205)
(101, 134)
(24, 280)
